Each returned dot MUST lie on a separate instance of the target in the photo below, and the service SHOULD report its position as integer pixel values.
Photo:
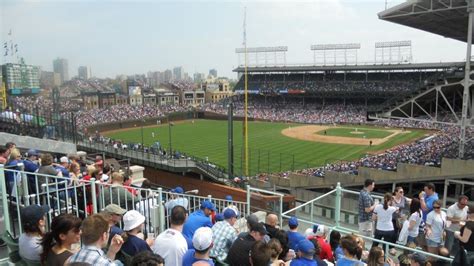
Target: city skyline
(115, 38)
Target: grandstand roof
(371, 67)
(448, 18)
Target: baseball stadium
(319, 158)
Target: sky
(134, 37)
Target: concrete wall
(45, 145)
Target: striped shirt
(224, 235)
(92, 255)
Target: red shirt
(326, 251)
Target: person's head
(260, 254)
(293, 223)
(251, 220)
(429, 189)
(64, 161)
(437, 206)
(350, 247)
(113, 213)
(33, 218)
(207, 207)
(404, 260)
(4, 151)
(271, 220)
(305, 248)
(334, 239)
(177, 190)
(275, 247)
(202, 240)
(46, 159)
(376, 257)
(321, 231)
(415, 206)
(317, 247)
(387, 199)
(32, 154)
(147, 258)
(399, 192)
(10, 146)
(369, 184)
(65, 230)
(133, 221)
(228, 198)
(15, 154)
(258, 231)
(470, 211)
(230, 216)
(117, 177)
(178, 215)
(462, 201)
(95, 230)
(418, 259)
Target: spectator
(427, 197)
(33, 219)
(3, 155)
(435, 226)
(335, 243)
(118, 194)
(414, 220)
(133, 223)
(418, 259)
(305, 251)
(94, 238)
(112, 213)
(276, 249)
(317, 254)
(351, 252)
(285, 255)
(202, 243)
(13, 178)
(147, 258)
(224, 235)
(456, 214)
(324, 247)
(171, 244)
(176, 199)
(294, 237)
(250, 220)
(466, 235)
(377, 258)
(402, 204)
(271, 223)
(57, 244)
(239, 251)
(31, 165)
(198, 219)
(47, 168)
(260, 254)
(383, 214)
(366, 208)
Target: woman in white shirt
(383, 214)
(414, 221)
(435, 225)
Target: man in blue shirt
(305, 250)
(63, 167)
(427, 197)
(293, 235)
(199, 218)
(31, 165)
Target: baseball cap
(228, 197)
(132, 219)
(206, 204)
(305, 246)
(33, 213)
(219, 217)
(308, 232)
(417, 257)
(33, 152)
(258, 227)
(293, 221)
(202, 238)
(252, 219)
(64, 159)
(321, 230)
(178, 190)
(115, 209)
(229, 213)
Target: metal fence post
(337, 214)
(161, 210)
(248, 199)
(24, 183)
(3, 190)
(281, 210)
(445, 193)
(94, 196)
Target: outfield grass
(269, 150)
(368, 133)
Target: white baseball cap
(321, 231)
(308, 232)
(202, 238)
(64, 159)
(132, 219)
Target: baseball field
(273, 147)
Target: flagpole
(246, 139)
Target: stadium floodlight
(339, 46)
(262, 49)
(392, 44)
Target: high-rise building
(178, 73)
(21, 79)
(84, 72)
(49, 79)
(213, 72)
(60, 66)
(199, 77)
(168, 76)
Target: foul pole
(245, 127)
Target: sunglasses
(401, 191)
(436, 207)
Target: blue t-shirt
(347, 262)
(293, 239)
(189, 259)
(338, 253)
(196, 220)
(10, 176)
(303, 262)
(134, 245)
(65, 174)
(429, 200)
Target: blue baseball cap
(305, 246)
(219, 217)
(293, 221)
(178, 190)
(33, 152)
(228, 197)
(206, 204)
(229, 213)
